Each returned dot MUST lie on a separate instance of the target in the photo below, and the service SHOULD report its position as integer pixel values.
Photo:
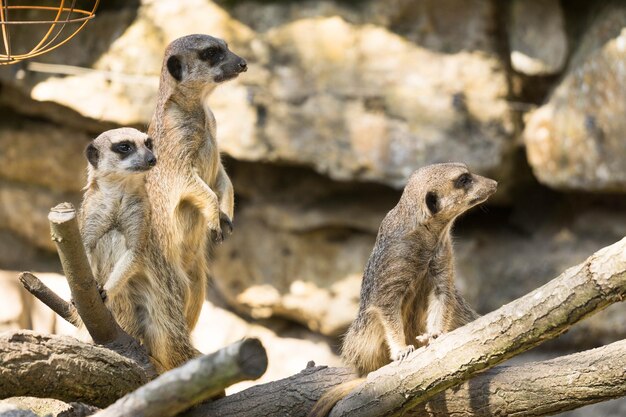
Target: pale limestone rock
(576, 140)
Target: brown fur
(189, 192)
(408, 296)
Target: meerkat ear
(92, 155)
(432, 202)
(175, 67)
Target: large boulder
(365, 94)
(576, 140)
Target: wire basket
(64, 20)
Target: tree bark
(98, 320)
(44, 294)
(193, 382)
(531, 389)
(64, 368)
(292, 396)
(514, 328)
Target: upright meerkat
(408, 295)
(190, 195)
(114, 213)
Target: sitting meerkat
(190, 194)
(408, 295)
(115, 213)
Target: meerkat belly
(109, 249)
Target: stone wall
(342, 101)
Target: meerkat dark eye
(123, 148)
(212, 54)
(149, 143)
(432, 202)
(463, 181)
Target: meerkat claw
(103, 292)
(404, 353)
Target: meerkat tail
(327, 401)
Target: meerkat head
(441, 192)
(200, 61)
(119, 153)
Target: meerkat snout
(121, 151)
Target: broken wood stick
(44, 294)
(97, 318)
(197, 380)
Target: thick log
(531, 389)
(64, 368)
(514, 328)
(197, 380)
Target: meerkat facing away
(114, 213)
(189, 191)
(408, 295)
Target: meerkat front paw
(103, 292)
(403, 353)
(425, 338)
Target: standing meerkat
(190, 194)
(114, 214)
(408, 295)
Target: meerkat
(408, 295)
(117, 232)
(114, 213)
(190, 194)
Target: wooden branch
(518, 326)
(97, 318)
(64, 368)
(532, 389)
(197, 380)
(536, 389)
(44, 294)
(290, 397)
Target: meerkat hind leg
(394, 333)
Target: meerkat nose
(243, 65)
(152, 160)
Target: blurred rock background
(342, 101)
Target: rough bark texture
(44, 294)
(46, 407)
(292, 396)
(98, 320)
(193, 382)
(536, 389)
(531, 389)
(514, 328)
(63, 368)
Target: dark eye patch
(124, 148)
(212, 54)
(432, 202)
(149, 143)
(463, 181)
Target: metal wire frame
(49, 41)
